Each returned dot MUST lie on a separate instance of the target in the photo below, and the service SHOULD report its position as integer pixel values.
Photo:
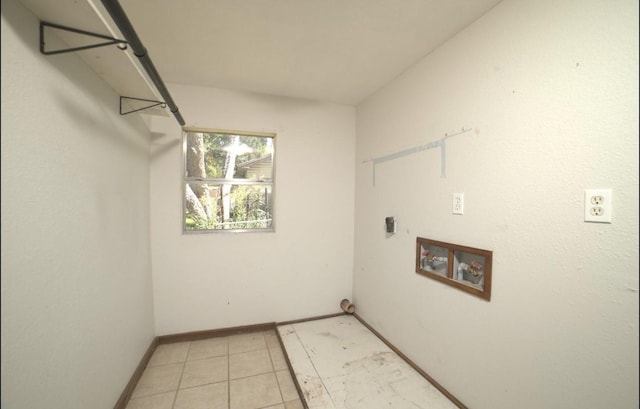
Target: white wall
(551, 91)
(208, 281)
(77, 309)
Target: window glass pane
(203, 206)
(249, 207)
(226, 156)
(228, 181)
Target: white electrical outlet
(457, 206)
(597, 205)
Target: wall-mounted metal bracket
(122, 44)
(151, 104)
(120, 18)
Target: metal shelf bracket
(122, 44)
(120, 18)
(151, 104)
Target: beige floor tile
(196, 375)
(272, 339)
(214, 396)
(296, 404)
(204, 371)
(287, 387)
(170, 354)
(208, 348)
(246, 342)
(158, 379)
(277, 358)
(255, 392)
(249, 364)
(161, 401)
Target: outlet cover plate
(457, 206)
(597, 205)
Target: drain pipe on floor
(347, 306)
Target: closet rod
(122, 21)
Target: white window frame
(234, 182)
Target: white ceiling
(328, 50)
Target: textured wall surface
(77, 310)
(550, 89)
(205, 281)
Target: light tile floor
(246, 371)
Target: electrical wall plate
(457, 206)
(597, 205)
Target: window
(228, 181)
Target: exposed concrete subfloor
(340, 364)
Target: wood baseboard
(319, 317)
(212, 333)
(425, 375)
(293, 374)
(128, 390)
